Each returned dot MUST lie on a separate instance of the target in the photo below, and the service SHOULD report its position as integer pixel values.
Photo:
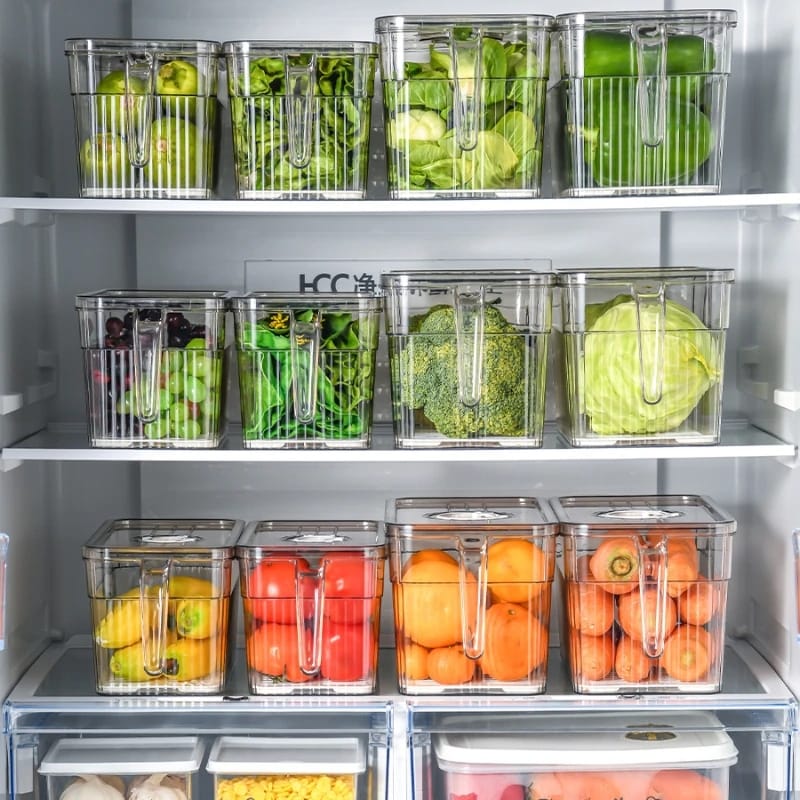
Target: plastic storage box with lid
(311, 595)
(464, 104)
(153, 367)
(300, 113)
(640, 104)
(145, 116)
(645, 591)
(306, 368)
(161, 592)
(471, 585)
(468, 355)
(303, 768)
(669, 755)
(643, 352)
(125, 767)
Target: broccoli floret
(428, 368)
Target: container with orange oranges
(645, 586)
(471, 584)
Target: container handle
(650, 42)
(310, 588)
(304, 357)
(300, 83)
(473, 562)
(154, 605)
(138, 105)
(470, 320)
(148, 342)
(466, 57)
(653, 565)
(651, 331)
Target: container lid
(628, 277)
(282, 536)
(279, 48)
(121, 47)
(287, 755)
(582, 516)
(393, 279)
(616, 19)
(185, 538)
(406, 516)
(115, 298)
(402, 23)
(132, 756)
(588, 742)
(255, 301)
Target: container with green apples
(145, 116)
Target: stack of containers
(161, 594)
(464, 104)
(312, 594)
(306, 368)
(471, 585)
(300, 113)
(645, 591)
(641, 101)
(468, 354)
(146, 119)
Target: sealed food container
(796, 544)
(645, 591)
(311, 595)
(161, 593)
(641, 101)
(300, 113)
(123, 768)
(607, 755)
(145, 116)
(643, 352)
(464, 103)
(306, 368)
(300, 768)
(468, 353)
(153, 365)
(471, 580)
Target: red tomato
(271, 589)
(348, 651)
(273, 650)
(350, 586)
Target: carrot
(687, 653)
(698, 604)
(629, 611)
(681, 784)
(681, 571)
(616, 563)
(590, 609)
(631, 663)
(591, 657)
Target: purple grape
(114, 326)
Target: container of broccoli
(468, 353)
(464, 104)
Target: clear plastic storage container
(670, 755)
(146, 120)
(464, 103)
(120, 768)
(471, 581)
(640, 104)
(161, 592)
(294, 767)
(300, 113)
(311, 593)
(307, 368)
(643, 354)
(153, 366)
(645, 591)
(468, 355)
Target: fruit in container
(450, 666)
(177, 85)
(287, 787)
(173, 161)
(518, 570)
(157, 787)
(104, 159)
(114, 98)
(191, 659)
(93, 787)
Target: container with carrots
(471, 584)
(644, 592)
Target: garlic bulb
(91, 787)
(158, 787)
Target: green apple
(104, 161)
(173, 162)
(111, 111)
(177, 85)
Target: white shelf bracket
(9, 403)
(748, 358)
(9, 464)
(789, 212)
(786, 398)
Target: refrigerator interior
(55, 493)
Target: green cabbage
(621, 377)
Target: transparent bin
(643, 354)
(645, 583)
(670, 755)
(146, 116)
(120, 768)
(311, 594)
(464, 104)
(471, 585)
(640, 103)
(161, 592)
(300, 113)
(307, 368)
(468, 355)
(153, 367)
(300, 768)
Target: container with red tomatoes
(311, 595)
(471, 584)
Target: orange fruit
(449, 666)
(414, 662)
(517, 570)
(516, 643)
(427, 555)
